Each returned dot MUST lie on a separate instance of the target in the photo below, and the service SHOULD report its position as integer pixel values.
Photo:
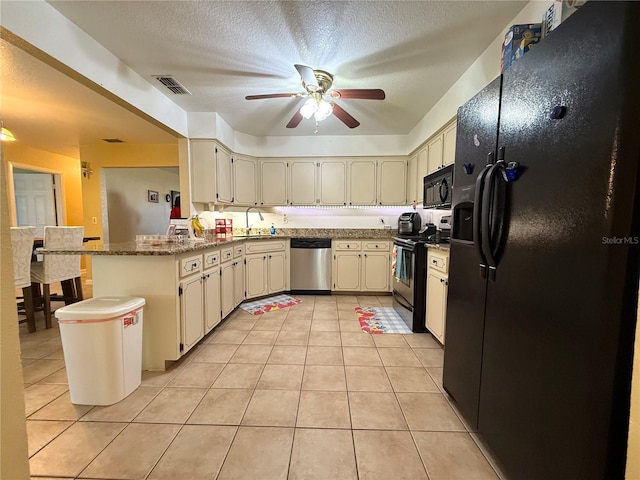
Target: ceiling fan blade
(307, 75)
(342, 114)
(271, 95)
(295, 120)
(362, 93)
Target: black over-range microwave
(438, 188)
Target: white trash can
(102, 344)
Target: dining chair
(22, 247)
(59, 268)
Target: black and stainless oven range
(409, 283)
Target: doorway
(36, 198)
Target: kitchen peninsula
(189, 288)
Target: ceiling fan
(319, 103)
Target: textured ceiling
(221, 51)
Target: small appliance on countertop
(409, 223)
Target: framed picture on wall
(152, 196)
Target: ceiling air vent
(172, 84)
(112, 140)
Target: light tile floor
(299, 393)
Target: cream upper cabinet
(435, 149)
(332, 176)
(273, 176)
(203, 171)
(392, 181)
(412, 179)
(449, 145)
(422, 170)
(245, 175)
(303, 182)
(224, 175)
(441, 149)
(362, 182)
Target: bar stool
(22, 247)
(59, 268)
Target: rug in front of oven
(269, 304)
(381, 320)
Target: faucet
(247, 216)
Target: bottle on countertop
(272, 230)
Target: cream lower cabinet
(211, 290)
(361, 265)
(191, 312)
(437, 289)
(266, 267)
(231, 280)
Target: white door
(375, 272)
(238, 283)
(226, 289)
(35, 200)
(346, 267)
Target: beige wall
(14, 462)
(117, 155)
(633, 448)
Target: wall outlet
(284, 219)
(387, 227)
(94, 220)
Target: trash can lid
(101, 308)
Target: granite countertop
(439, 246)
(133, 248)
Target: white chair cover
(22, 246)
(55, 268)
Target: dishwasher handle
(310, 243)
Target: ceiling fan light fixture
(309, 108)
(325, 109)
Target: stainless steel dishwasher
(311, 265)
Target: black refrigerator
(543, 281)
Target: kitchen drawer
(264, 246)
(347, 245)
(438, 261)
(226, 254)
(211, 259)
(238, 251)
(190, 265)
(372, 246)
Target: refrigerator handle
(478, 215)
(488, 212)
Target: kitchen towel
(376, 320)
(264, 305)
